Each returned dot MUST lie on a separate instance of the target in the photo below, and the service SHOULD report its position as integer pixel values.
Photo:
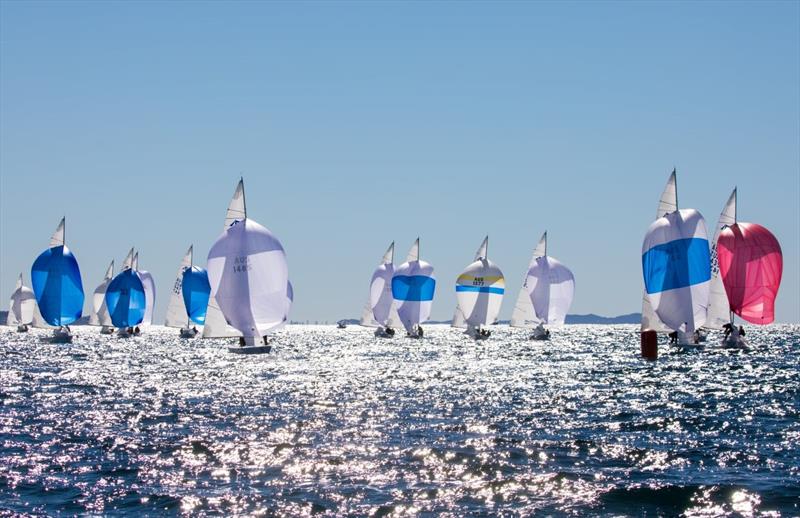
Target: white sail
(551, 286)
(666, 204)
(127, 263)
(669, 197)
(249, 276)
(523, 314)
(149, 285)
(718, 306)
(215, 325)
(479, 291)
(237, 209)
(57, 239)
(458, 316)
(39, 321)
(176, 310)
(413, 253)
(100, 315)
(22, 305)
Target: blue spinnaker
(57, 285)
(126, 300)
(196, 290)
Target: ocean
(338, 422)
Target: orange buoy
(650, 344)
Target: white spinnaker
(523, 314)
(666, 204)
(459, 319)
(718, 306)
(100, 315)
(22, 305)
(687, 304)
(176, 310)
(149, 285)
(57, 239)
(249, 277)
(411, 311)
(551, 286)
(479, 291)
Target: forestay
(677, 269)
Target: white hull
(250, 349)
(736, 342)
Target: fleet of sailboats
(691, 285)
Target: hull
(188, 333)
(61, 336)
(250, 349)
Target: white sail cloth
(718, 306)
(22, 305)
(523, 314)
(380, 294)
(149, 285)
(479, 292)
(249, 278)
(551, 287)
(676, 267)
(176, 310)
(100, 315)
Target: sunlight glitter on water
(339, 422)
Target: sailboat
(189, 298)
(751, 266)
(57, 285)
(22, 307)
(380, 311)
(479, 294)
(249, 278)
(677, 270)
(126, 300)
(100, 315)
(413, 287)
(149, 291)
(546, 293)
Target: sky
(355, 124)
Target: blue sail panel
(126, 300)
(196, 291)
(413, 287)
(57, 285)
(676, 264)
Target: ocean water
(337, 422)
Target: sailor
(136, 330)
(241, 341)
(741, 330)
(265, 339)
(673, 337)
(728, 328)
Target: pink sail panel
(751, 265)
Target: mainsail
(718, 307)
(380, 309)
(677, 269)
(523, 314)
(56, 280)
(413, 286)
(100, 315)
(751, 266)
(176, 310)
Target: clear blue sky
(355, 124)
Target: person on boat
(136, 330)
(741, 330)
(194, 328)
(266, 341)
(727, 328)
(673, 337)
(419, 331)
(389, 331)
(241, 341)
